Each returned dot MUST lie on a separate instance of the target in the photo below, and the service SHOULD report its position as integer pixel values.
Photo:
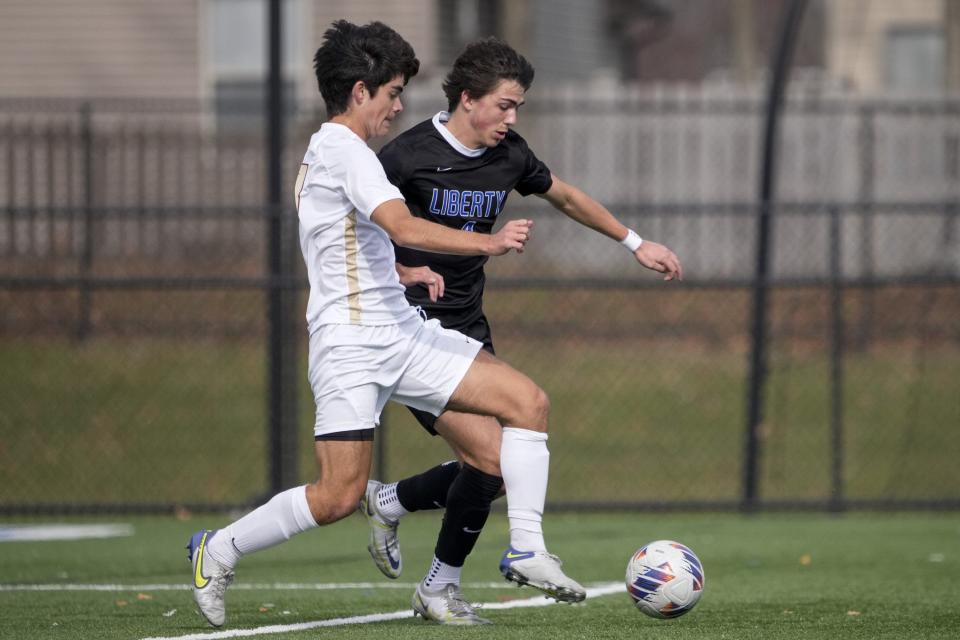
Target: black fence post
(837, 500)
(84, 325)
(282, 342)
(758, 356)
(949, 235)
(11, 181)
(867, 195)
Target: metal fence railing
(133, 290)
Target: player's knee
(538, 410)
(542, 402)
(530, 408)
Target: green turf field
(771, 576)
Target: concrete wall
(116, 48)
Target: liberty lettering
(467, 203)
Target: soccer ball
(665, 579)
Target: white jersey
(350, 260)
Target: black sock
(429, 489)
(468, 505)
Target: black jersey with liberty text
(460, 188)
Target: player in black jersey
(457, 169)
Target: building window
(462, 21)
(914, 60)
(237, 32)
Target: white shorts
(355, 369)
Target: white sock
(525, 465)
(388, 504)
(440, 575)
(284, 516)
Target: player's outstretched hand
(513, 235)
(657, 257)
(422, 275)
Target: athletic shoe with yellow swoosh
(210, 579)
(540, 570)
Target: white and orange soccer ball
(665, 579)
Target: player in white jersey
(367, 344)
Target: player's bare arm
(577, 205)
(408, 231)
(426, 276)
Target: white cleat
(541, 570)
(210, 579)
(384, 544)
(446, 605)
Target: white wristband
(632, 241)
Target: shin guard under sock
(429, 489)
(468, 505)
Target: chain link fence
(134, 291)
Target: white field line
(20, 533)
(537, 601)
(242, 586)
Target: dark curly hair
(374, 53)
(481, 66)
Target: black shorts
(479, 330)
